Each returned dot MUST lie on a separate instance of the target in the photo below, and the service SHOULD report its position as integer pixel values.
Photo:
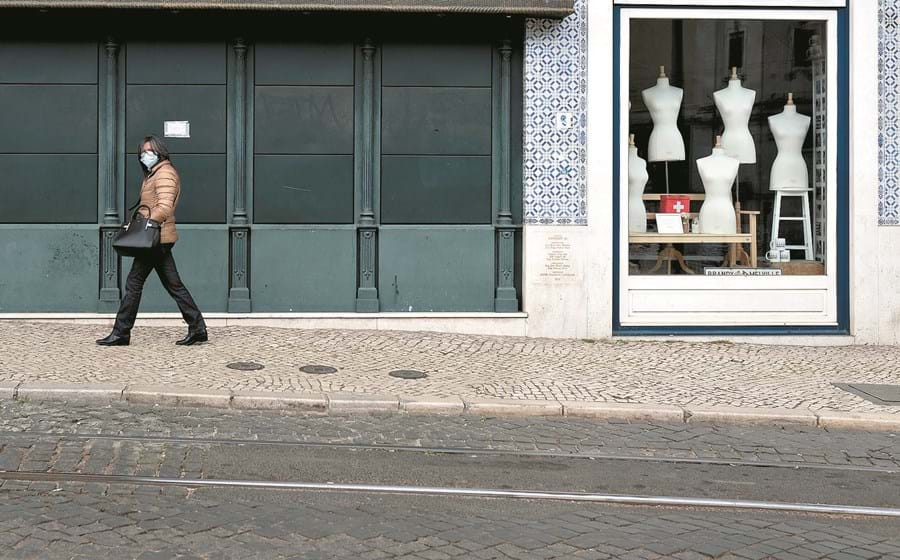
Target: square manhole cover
(887, 395)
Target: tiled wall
(555, 106)
(889, 115)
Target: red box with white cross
(674, 204)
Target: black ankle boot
(115, 339)
(193, 337)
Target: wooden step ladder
(777, 218)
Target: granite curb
(342, 403)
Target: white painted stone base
(486, 324)
(568, 281)
(505, 324)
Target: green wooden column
(239, 283)
(367, 227)
(108, 175)
(506, 299)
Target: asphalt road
(118, 517)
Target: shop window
(725, 169)
(728, 167)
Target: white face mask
(149, 159)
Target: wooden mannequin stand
(736, 252)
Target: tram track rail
(488, 491)
(439, 450)
(446, 491)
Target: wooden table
(670, 253)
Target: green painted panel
(304, 120)
(48, 188)
(324, 64)
(148, 107)
(303, 269)
(307, 189)
(42, 119)
(453, 121)
(173, 62)
(202, 259)
(516, 134)
(51, 62)
(49, 269)
(436, 190)
(449, 64)
(203, 198)
(436, 269)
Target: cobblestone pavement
(695, 374)
(86, 522)
(93, 521)
(795, 446)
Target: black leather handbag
(139, 237)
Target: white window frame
(754, 4)
(663, 300)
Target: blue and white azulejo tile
(888, 114)
(555, 120)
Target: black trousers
(164, 264)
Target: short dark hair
(157, 146)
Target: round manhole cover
(318, 370)
(408, 374)
(245, 366)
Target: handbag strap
(137, 208)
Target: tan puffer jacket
(159, 192)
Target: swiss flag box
(674, 204)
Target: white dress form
(735, 103)
(637, 180)
(664, 102)
(789, 171)
(717, 171)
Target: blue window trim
(842, 210)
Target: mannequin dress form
(789, 172)
(664, 103)
(718, 171)
(735, 103)
(789, 175)
(637, 180)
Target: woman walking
(159, 192)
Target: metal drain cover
(245, 366)
(318, 370)
(408, 374)
(885, 395)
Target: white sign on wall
(177, 129)
(560, 263)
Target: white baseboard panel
(779, 340)
(500, 324)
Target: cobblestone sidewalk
(670, 373)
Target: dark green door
(304, 248)
(436, 239)
(48, 175)
(178, 80)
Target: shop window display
(726, 151)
